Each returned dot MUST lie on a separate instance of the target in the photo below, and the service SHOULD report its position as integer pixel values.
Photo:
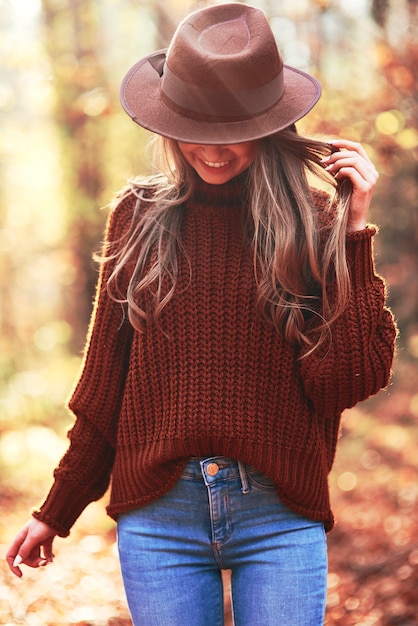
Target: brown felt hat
(222, 80)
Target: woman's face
(217, 164)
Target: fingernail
(42, 562)
(18, 560)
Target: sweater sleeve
(355, 361)
(83, 474)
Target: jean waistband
(217, 468)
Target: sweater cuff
(359, 250)
(63, 505)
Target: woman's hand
(32, 546)
(350, 161)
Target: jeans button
(212, 469)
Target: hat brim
(140, 96)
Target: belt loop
(244, 479)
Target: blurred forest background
(65, 148)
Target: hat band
(217, 102)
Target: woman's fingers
(32, 546)
(352, 158)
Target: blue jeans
(222, 514)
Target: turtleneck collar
(227, 196)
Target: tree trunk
(72, 42)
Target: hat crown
(226, 47)
(228, 38)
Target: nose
(212, 152)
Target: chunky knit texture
(214, 378)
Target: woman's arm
(355, 360)
(83, 473)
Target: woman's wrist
(352, 228)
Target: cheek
(186, 151)
(249, 153)
(188, 156)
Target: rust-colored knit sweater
(218, 380)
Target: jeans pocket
(260, 480)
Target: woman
(238, 314)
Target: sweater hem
(119, 508)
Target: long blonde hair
(297, 254)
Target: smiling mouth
(216, 165)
